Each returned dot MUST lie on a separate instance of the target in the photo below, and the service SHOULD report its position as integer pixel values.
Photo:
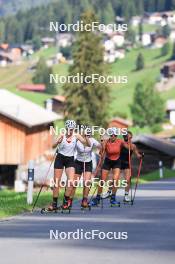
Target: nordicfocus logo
(80, 78)
(80, 234)
(80, 26)
(81, 129)
(88, 183)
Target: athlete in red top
(112, 148)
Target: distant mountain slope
(13, 6)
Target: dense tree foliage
(87, 101)
(27, 25)
(42, 75)
(149, 112)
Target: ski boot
(113, 201)
(96, 201)
(85, 205)
(51, 208)
(107, 194)
(126, 199)
(67, 204)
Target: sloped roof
(60, 98)
(24, 111)
(122, 120)
(31, 87)
(159, 144)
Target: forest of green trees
(27, 25)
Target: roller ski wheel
(117, 204)
(113, 202)
(49, 210)
(65, 209)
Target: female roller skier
(65, 159)
(125, 165)
(83, 165)
(112, 148)
(125, 162)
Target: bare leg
(116, 176)
(70, 172)
(87, 178)
(76, 178)
(103, 178)
(127, 177)
(57, 178)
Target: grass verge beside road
(12, 203)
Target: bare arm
(103, 147)
(84, 140)
(136, 152)
(127, 145)
(58, 141)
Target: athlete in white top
(84, 153)
(83, 165)
(65, 159)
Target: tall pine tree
(42, 76)
(87, 102)
(147, 108)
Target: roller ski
(85, 205)
(113, 201)
(67, 205)
(127, 200)
(53, 208)
(96, 201)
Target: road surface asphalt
(149, 223)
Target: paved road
(150, 225)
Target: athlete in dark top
(112, 148)
(125, 162)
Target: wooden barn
(120, 123)
(56, 104)
(155, 149)
(24, 133)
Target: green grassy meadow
(121, 94)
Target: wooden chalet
(24, 132)
(155, 149)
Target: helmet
(70, 124)
(112, 131)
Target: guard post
(30, 182)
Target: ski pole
(130, 169)
(138, 176)
(96, 172)
(34, 205)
